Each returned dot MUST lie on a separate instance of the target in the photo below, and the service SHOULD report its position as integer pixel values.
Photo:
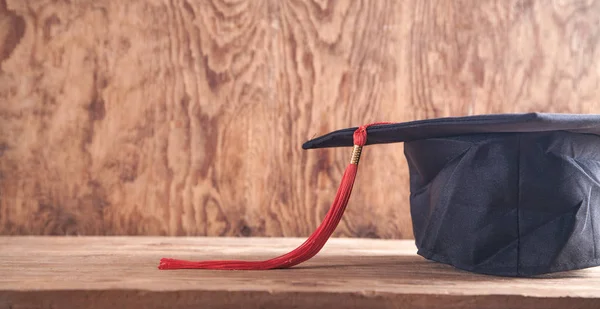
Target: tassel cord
(312, 245)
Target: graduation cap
(504, 194)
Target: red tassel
(312, 245)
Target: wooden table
(121, 272)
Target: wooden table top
(121, 272)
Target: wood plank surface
(185, 117)
(121, 272)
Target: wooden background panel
(554, 57)
(186, 117)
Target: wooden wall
(186, 117)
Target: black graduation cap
(512, 194)
(506, 194)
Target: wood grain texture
(186, 117)
(120, 272)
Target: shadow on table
(416, 267)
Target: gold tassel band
(356, 154)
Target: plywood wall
(186, 117)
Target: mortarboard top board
(505, 194)
(454, 126)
